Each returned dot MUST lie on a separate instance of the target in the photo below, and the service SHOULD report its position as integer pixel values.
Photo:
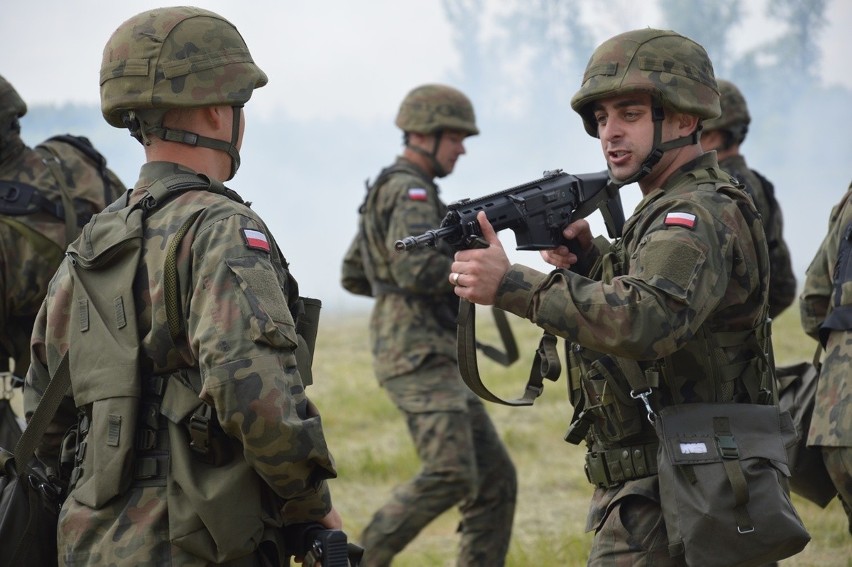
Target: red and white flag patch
(255, 239)
(686, 220)
(417, 194)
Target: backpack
(357, 274)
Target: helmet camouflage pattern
(735, 117)
(671, 67)
(181, 57)
(11, 103)
(430, 108)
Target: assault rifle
(536, 212)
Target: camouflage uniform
(413, 334)
(679, 302)
(734, 122)
(824, 306)
(29, 259)
(237, 351)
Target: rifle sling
(545, 365)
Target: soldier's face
(626, 131)
(450, 149)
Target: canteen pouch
(723, 474)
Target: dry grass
(374, 453)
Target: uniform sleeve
(416, 210)
(677, 277)
(814, 303)
(245, 339)
(782, 289)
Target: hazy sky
(324, 58)
(354, 60)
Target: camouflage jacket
(782, 283)
(238, 352)
(686, 279)
(831, 424)
(25, 268)
(414, 313)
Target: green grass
(373, 452)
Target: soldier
(226, 448)
(414, 347)
(687, 278)
(725, 134)
(825, 303)
(47, 194)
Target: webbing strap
(59, 384)
(731, 459)
(545, 365)
(53, 165)
(170, 277)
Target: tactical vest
(19, 200)
(128, 415)
(362, 274)
(611, 394)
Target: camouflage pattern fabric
(831, 424)
(782, 283)
(24, 267)
(431, 108)
(690, 265)
(405, 328)
(665, 64)
(464, 463)
(240, 343)
(414, 355)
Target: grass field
(374, 453)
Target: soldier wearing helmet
(413, 332)
(687, 277)
(824, 306)
(725, 134)
(226, 448)
(37, 185)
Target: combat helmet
(432, 109)
(735, 117)
(675, 70)
(180, 57)
(11, 103)
(428, 109)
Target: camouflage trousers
(632, 531)
(838, 463)
(464, 463)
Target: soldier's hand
(561, 257)
(477, 273)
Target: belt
(612, 467)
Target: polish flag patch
(255, 239)
(686, 220)
(417, 194)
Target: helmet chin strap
(433, 156)
(659, 147)
(193, 139)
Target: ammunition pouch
(611, 467)
(608, 405)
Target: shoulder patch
(418, 194)
(255, 239)
(686, 220)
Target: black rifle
(317, 544)
(536, 212)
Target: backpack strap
(85, 147)
(59, 384)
